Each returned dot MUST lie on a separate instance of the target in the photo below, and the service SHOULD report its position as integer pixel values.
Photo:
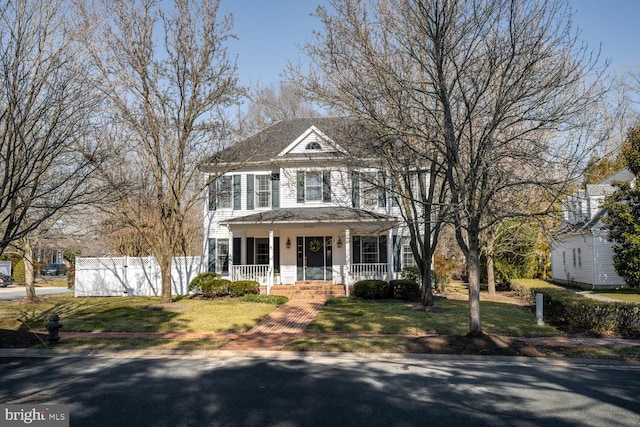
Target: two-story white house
(289, 206)
(581, 253)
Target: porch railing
(377, 271)
(258, 272)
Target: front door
(314, 258)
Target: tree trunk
(473, 269)
(29, 276)
(427, 285)
(165, 273)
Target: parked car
(54, 270)
(5, 280)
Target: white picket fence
(132, 276)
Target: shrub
(244, 287)
(372, 289)
(196, 284)
(265, 299)
(411, 272)
(407, 290)
(215, 288)
(578, 314)
(18, 273)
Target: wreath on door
(315, 245)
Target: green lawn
(135, 314)
(449, 318)
(625, 295)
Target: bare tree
(498, 89)
(46, 154)
(270, 104)
(167, 75)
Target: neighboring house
(581, 253)
(289, 206)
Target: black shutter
(326, 186)
(250, 250)
(382, 192)
(355, 250)
(355, 189)
(211, 254)
(212, 196)
(275, 190)
(237, 192)
(276, 254)
(300, 186)
(237, 251)
(382, 249)
(250, 195)
(397, 253)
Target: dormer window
(313, 146)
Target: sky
(271, 32)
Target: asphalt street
(292, 389)
(14, 292)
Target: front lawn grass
(625, 295)
(134, 314)
(450, 317)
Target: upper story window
(368, 190)
(221, 193)
(313, 146)
(263, 191)
(313, 186)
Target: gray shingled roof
(624, 175)
(268, 143)
(311, 215)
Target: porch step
(302, 290)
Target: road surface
(290, 389)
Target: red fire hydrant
(54, 327)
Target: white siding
(565, 270)
(605, 273)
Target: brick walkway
(285, 323)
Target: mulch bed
(484, 345)
(21, 339)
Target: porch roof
(337, 215)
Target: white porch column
(347, 248)
(271, 259)
(390, 256)
(231, 272)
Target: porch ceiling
(327, 215)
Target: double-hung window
(220, 193)
(313, 186)
(368, 190)
(263, 191)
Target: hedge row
(577, 314)
(211, 285)
(404, 289)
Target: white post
(347, 248)
(390, 255)
(271, 259)
(539, 305)
(231, 276)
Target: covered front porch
(334, 246)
